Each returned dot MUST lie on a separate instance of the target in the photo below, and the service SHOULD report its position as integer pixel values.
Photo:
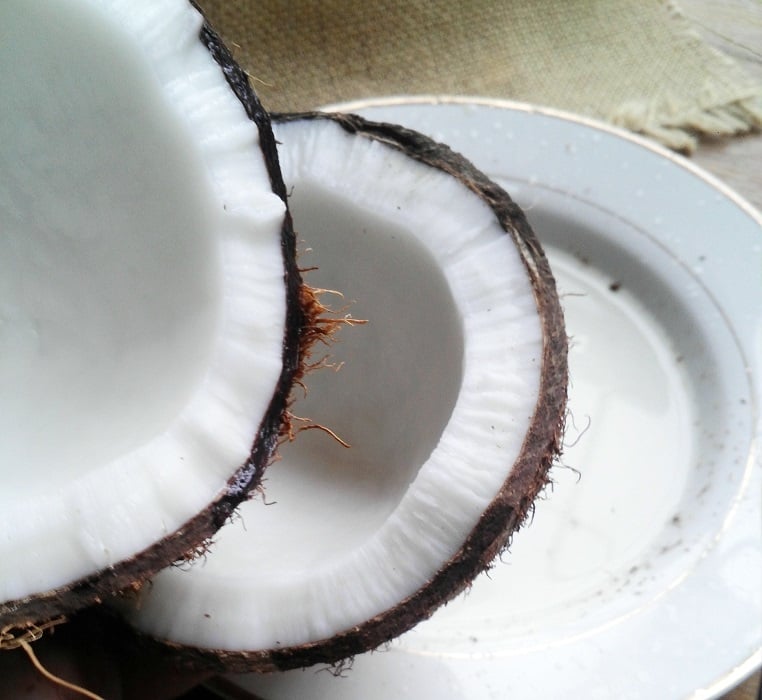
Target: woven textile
(634, 63)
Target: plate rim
(434, 99)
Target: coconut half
(452, 398)
(149, 299)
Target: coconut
(150, 311)
(451, 399)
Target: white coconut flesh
(142, 298)
(435, 394)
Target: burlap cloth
(636, 63)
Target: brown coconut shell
(525, 478)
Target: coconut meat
(434, 395)
(142, 301)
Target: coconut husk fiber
(641, 65)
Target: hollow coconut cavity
(149, 299)
(452, 398)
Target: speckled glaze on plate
(641, 573)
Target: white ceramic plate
(641, 574)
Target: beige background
(639, 64)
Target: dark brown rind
(130, 572)
(527, 477)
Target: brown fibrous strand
(321, 323)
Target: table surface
(735, 27)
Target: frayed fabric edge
(658, 120)
(667, 121)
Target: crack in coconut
(150, 303)
(453, 397)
